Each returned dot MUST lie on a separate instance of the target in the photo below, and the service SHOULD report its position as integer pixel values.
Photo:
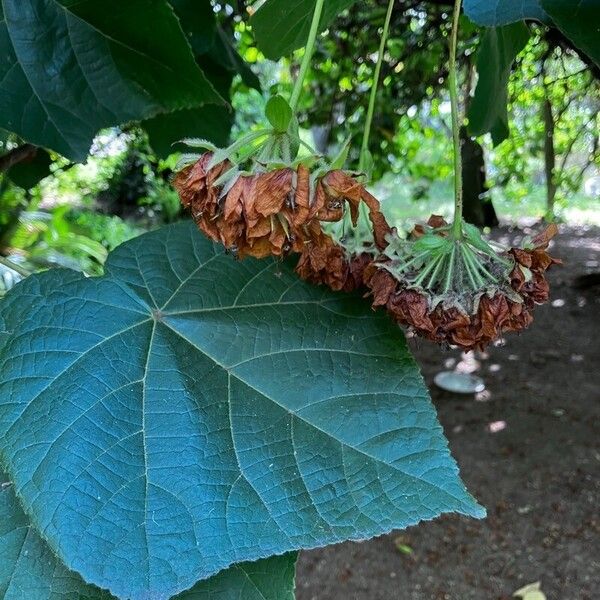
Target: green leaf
(187, 411)
(279, 113)
(29, 569)
(488, 109)
(493, 13)
(29, 173)
(210, 122)
(281, 26)
(71, 67)
(579, 21)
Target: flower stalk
(364, 164)
(308, 53)
(452, 81)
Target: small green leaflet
(72, 67)
(279, 113)
(30, 571)
(187, 412)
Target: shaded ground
(528, 448)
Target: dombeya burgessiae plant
(181, 426)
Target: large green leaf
(30, 571)
(187, 411)
(579, 21)
(281, 26)
(219, 62)
(498, 50)
(71, 67)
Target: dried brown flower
(268, 213)
(323, 260)
(497, 312)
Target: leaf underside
(72, 67)
(187, 411)
(498, 50)
(30, 571)
(493, 13)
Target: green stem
(458, 183)
(14, 266)
(373, 96)
(472, 271)
(413, 260)
(478, 264)
(308, 52)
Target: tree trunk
(477, 205)
(549, 159)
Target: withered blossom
(496, 311)
(267, 213)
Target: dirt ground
(528, 448)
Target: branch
(17, 155)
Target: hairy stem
(308, 52)
(458, 183)
(14, 266)
(373, 96)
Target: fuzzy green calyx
(454, 270)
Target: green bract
(187, 412)
(279, 113)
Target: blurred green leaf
(29, 173)
(281, 26)
(488, 110)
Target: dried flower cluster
(281, 211)
(278, 212)
(496, 310)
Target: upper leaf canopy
(281, 26)
(72, 67)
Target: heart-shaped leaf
(579, 21)
(71, 67)
(29, 569)
(186, 412)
